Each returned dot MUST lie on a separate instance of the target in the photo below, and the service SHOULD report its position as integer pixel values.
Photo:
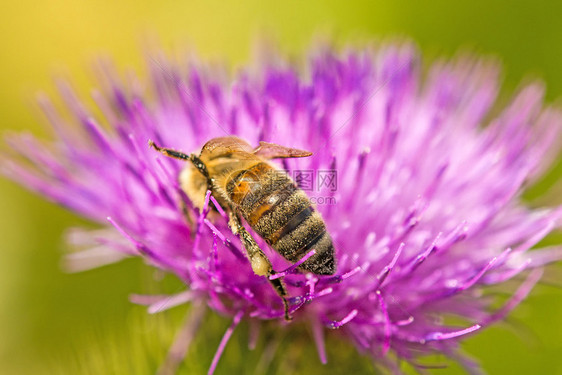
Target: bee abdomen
(282, 214)
(296, 238)
(304, 232)
(275, 211)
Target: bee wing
(230, 147)
(268, 150)
(225, 145)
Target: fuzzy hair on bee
(250, 188)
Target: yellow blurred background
(51, 322)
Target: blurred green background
(52, 322)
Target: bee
(250, 188)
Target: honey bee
(249, 187)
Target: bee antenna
(169, 152)
(194, 159)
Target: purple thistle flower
(418, 184)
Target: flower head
(419, 186)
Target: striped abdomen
(282, 214)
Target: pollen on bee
(260, 265)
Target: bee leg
(258, 260)
(280, 289)
(190, 220)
